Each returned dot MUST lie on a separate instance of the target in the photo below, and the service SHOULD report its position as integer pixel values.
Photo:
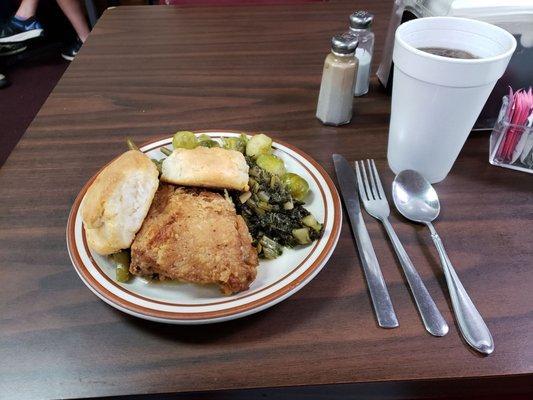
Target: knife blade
(376, 284)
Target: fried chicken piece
(195, 235)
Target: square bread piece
(215, 168)
(195, 235)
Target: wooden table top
(149, 71)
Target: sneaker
(16, 30)
(10, 49)
(3, 81)
(70, 51)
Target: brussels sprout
(235, 143)
(206, 141)
(297, 185)
(122, 261)
(259, 144)
(271, 164)
(184, 140)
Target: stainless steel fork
(376, 204)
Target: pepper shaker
(335, 101)
(360, 23)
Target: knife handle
(376, 284)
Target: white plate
(180, 303)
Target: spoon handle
(470, 322)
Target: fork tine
(368, 186)
(378, 181)
(372, 181)
(360, 185)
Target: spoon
(417, 200)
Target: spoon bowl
(414, 197)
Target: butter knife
(376, 284)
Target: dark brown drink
(450, 53)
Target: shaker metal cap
(344, 43)
(361, 20)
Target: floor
(32, 80)
(32, 74)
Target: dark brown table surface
(149, 71)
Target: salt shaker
(335, 101)
(360, 22)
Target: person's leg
(73, 11)
(27, 9)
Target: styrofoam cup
(436, 100)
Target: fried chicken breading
(195, 235)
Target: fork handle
(431, 316)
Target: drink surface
(450, 53)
